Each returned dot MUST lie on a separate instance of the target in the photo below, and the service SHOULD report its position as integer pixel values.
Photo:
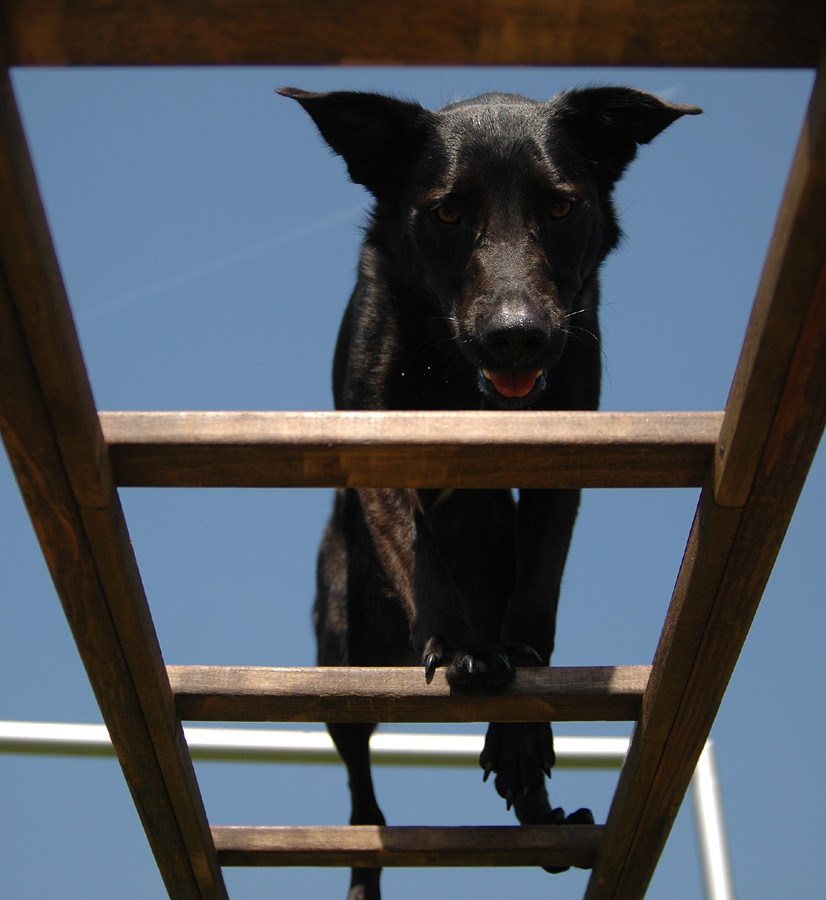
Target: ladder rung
(411, 449)
(251, 694)
(372, 846)
(464, 32)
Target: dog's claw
(548, 763)
(479, 667)
(534, 654)
(525, 655)
(431, 661)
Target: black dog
(477, 288)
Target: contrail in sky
(208, 268)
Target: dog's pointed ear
(608, 123)
(373, 133)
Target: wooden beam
(252, 694)
(779, 319)
(374, 846)
(729, 557)
(51, 432)
(748, 33)
(410, 449)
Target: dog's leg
(545, 523)
(338, 645)
(435, 608)
(522, 754)
(352, 742)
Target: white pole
(282, 745)
(711, 828)
(273, 745)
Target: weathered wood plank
(729, 558)
(42, 311)
(410, 449)
(697, 586)
(520, 32)
(374, 846)
(793, 267)
(51, 432)
(58, 451)
(252, 694)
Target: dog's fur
(477, 288)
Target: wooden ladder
(750, 461)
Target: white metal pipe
(711, 828)
(282, 745)
(274, 745)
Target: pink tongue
(513, 384)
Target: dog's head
(496, 211)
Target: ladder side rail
(51, 431)
(731, 549)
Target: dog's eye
(448, 214)
(561, 208)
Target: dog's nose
(515, 339)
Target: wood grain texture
(54, 443)
(780, 322)
(41, 309)
(67, 465)
(410, 449)
(371, 846)
(728, 561)
(252, 694)
(472, 32)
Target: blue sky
(208, 242)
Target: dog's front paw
(580, 817)
(476, 665)
(521, 755)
